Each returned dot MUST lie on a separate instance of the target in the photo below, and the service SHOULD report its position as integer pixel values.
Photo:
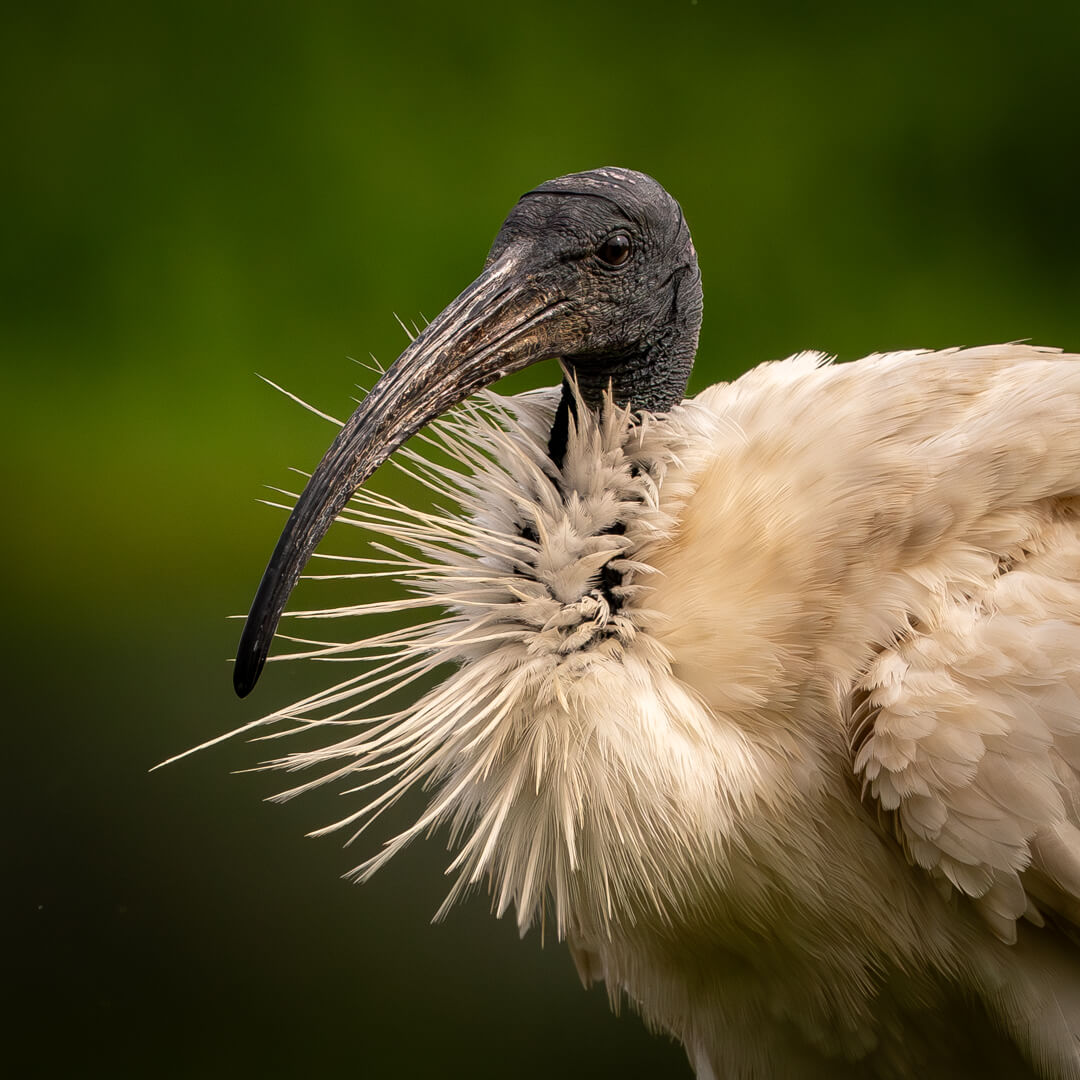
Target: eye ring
(615, 250)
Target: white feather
(674, 662)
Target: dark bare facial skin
(597, 268)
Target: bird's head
(611, 252)
(596, 268)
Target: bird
(767, 700)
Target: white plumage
(770, 705)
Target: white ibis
(768, 700)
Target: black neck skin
(649, 378)
(629, 384)
(652, 381)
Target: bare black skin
(597, 268)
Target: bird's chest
(620, 768)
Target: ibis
(766, 701)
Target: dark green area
(193, 193)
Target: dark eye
(615, 250)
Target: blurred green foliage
(196, 192)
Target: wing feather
(974, 746)
(965, 721)
(926, 556)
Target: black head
(615, 244)
(596, 268)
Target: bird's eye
(615, 250)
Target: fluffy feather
(771, 703)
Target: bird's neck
(650, 382)
(648, 376)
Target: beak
(501, 323)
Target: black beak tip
(246, 671)
(258, 633)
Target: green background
(192, 194)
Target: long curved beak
(501, 323)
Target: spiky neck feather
(546, 580)
(573, 766)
